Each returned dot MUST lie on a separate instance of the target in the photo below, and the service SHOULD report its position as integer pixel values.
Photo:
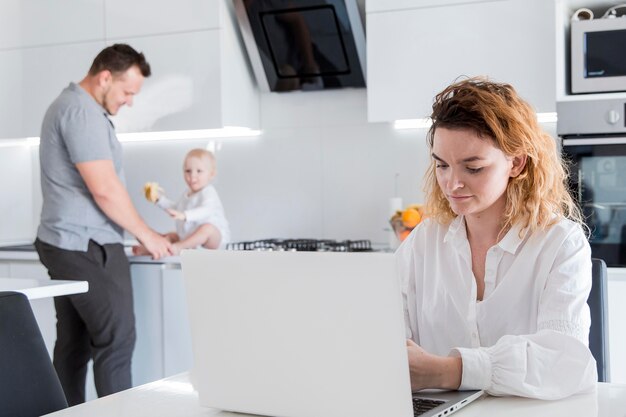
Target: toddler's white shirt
(201, 207)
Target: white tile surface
(151, 17)
(26, 23)
(363, 167)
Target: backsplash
(315, 172)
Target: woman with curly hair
(495, 281)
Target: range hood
(303, 44)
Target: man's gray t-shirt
(75, 129)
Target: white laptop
(301, 334)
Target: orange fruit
(411, 217)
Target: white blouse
(529, 334)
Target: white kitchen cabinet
(28, 23)
(163, 345)
(389, 5)
(147, 362)
(177, 351)
(200, 80)
(184, 88)
(35, 77)
(617, 331)
(194, 87)
(510, 41)
(151, 17)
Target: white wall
(16, 189)
(318, 171)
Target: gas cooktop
(308, 245)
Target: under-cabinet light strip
(230, 132)
(425, 123)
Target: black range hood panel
(304, 44)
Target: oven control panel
(591, 117)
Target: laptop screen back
(297, 334)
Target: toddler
(199, 215)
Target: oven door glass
(598, 180)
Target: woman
(495, 281)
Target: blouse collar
(457, 235)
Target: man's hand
(158, 246)
(177, 215)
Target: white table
(175, 397)
(37, 288)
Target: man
(85, 209)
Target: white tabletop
(38, 288)
(175, 397)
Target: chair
(599, 333)
(29, 385)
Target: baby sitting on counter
(199, 215)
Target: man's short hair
(118, 58)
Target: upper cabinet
(200, 74)
(126, 19)
(416, 48)
(200, 78)
(35, 76)
(34, 23)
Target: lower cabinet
(617, 331)
(163, 345)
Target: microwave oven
(598, 55)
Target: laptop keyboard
(421, 405)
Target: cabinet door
(176, 333)
(510, 41)
(152, 17)
(184, 89)
(37, 76)
(27, 23)
(147, 363)
(617, 331)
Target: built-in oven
(597, 152)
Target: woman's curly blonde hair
(536, 198)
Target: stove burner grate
(306, 245)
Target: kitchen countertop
(27, 252)
(22, 252)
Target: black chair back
(599, 333)
(29, 385)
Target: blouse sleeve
(555, 362)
